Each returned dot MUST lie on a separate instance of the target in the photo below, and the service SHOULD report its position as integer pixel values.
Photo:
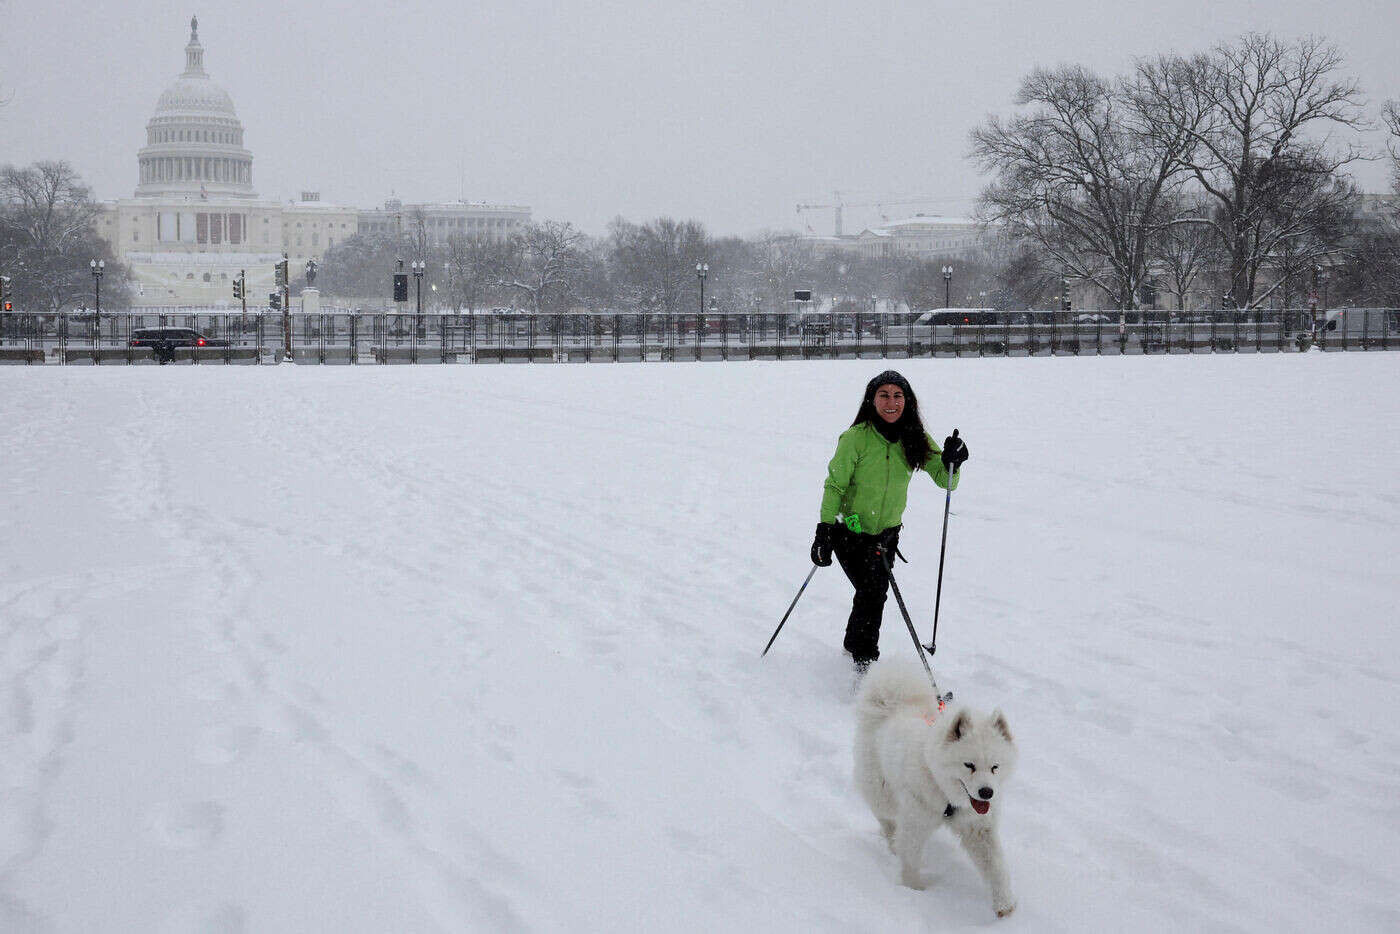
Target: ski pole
(942, 550)
(789, 610)
(909, 624)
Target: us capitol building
(196, 220)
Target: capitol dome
(194, 96)
(194, 141)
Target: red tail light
(199, 343)
(135, 343)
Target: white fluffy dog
(918, 768)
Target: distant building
(196, 221)
(923, 236)
(440, 221)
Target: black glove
(954, 452)
(821, 544)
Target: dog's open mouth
(980, 806)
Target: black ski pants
(863, 557)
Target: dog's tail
(890, 687)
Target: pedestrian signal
(400, 287)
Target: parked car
(172, 338)
(1092, 319)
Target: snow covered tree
(1252, 110)
(654, 263)
(1085, 175)
(473, 270)
(359, 266)
(543, 263)
(777, 262)
(48, 240)
(1186, 249)
(1390, 114)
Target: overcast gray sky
(728, 112)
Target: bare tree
(48, 239)
(593, 287)
(543, 263)
(1185, 249)
(778, 263)
(1370, 275)
(1315, 212)
(360, 266)
(1084, 176)
(419, 242)
(1390, 115)
(1250, 110)
(654, 264)
(474, 269)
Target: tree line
(1213, 173)
(650, 267)
(1217, 169)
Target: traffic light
(237, 288)
(400, 287)
(274, 300)
(281, 273)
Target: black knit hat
(889, 377)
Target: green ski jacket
(869, 478)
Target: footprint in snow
(210, 686)
(203, 918)
(226, 744)
(188, 826)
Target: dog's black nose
(984, 793)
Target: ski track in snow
(490, 635)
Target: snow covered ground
(477, 648)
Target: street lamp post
(947, 286)
(701, 271)
(419, 267)
(98, 267)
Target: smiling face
(889, 402)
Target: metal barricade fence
(258, 337)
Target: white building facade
(196, 222)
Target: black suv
(172, 338)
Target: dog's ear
(960, 725)
(999, 724)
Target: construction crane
(840, 204)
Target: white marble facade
(195, 221)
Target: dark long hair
(912, 436)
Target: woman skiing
(866, 488)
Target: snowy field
(477, 648)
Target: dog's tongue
(981, 807)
